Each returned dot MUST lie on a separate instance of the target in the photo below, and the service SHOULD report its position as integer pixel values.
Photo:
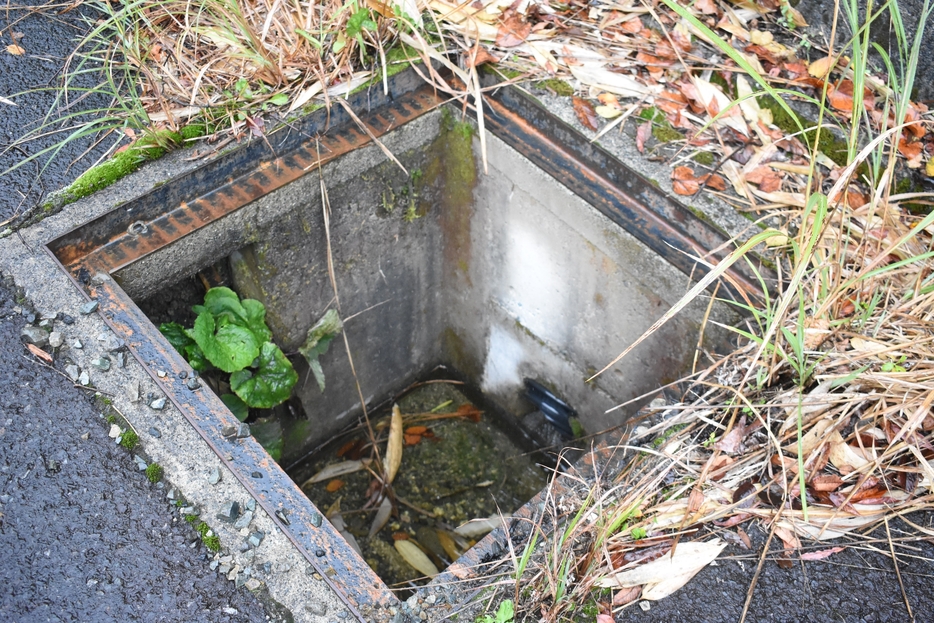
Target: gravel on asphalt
(83, 534)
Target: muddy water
(458, 468)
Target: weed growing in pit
(231, 335)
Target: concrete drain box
(545, 266)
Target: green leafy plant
(318, 341)
(505, 614)
(231, 335)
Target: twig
(898, 573)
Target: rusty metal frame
(102, 246)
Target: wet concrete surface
(84, 535)
(49, 32)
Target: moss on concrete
(558, 87)
(661, 129)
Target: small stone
(158, 404)
(190, 510)
(86, 436)
(140, 463)
(215, 476)
(430, 600)
(120, 359)
(213, 565)
(224, 568)
(45, 324)
(78, 345)
(230, 512)
(193, 384)
(132, 391)
(183, 375)
(256, 474)
(280, 513)
(232, 576)
(73, 372)
(114, 431)
(67, 319)
(252, 584)
(30, 317)
(256, 538)
(89, 308)
(100, 278)
(160, 374)
(318, 610)
(101, 363)
(154, 432)
(170, 494)
(412, 602)
(229, 431)
(231, 611)
(646, 606)
(243, 431)
(110, 342)
(319, 553)
(315, 519)
(423, 615)
(56, 339)
(251, 504)
(84, 378)
(244, 520)
(34, 335)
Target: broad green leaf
(223, 301)
(270, 384)
(318, 340)
(358, 22)
(279, 99)
(176, 335)
(231, 348)
(255, 316)
(236, 406)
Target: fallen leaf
(394, 446)
(38, 352)
(707, 7)
(334, 485)
(382, 516)
(480, 526)
(842, 456)
(732, 442)
(512, 31)
(413, 555)
(448, 545)
(350, 447)
(683, 181)
(667, 574)
(929, 168)
(15, 50)
(481, 58)
(608, 112)
(412, 440)
(585, 113)
(821, 67)
(332, 471)
(839, 98)
(821, 554)
(826, 483)
(643, 132)
(305, 95)
(416, 430)
(626, 595)
(608, 99)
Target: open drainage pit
(498, 276)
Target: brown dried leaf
(683, 181)
(38, 352)
(732, 442)
(413, 555)
(626, 595)
(412, 440)
(416, 430)
(585, 113)
(826, 483)
(643, 132)
(481, 58)
(512, 31)
(334, 485)
(707, 7)
(821, 554)
(15, 50)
